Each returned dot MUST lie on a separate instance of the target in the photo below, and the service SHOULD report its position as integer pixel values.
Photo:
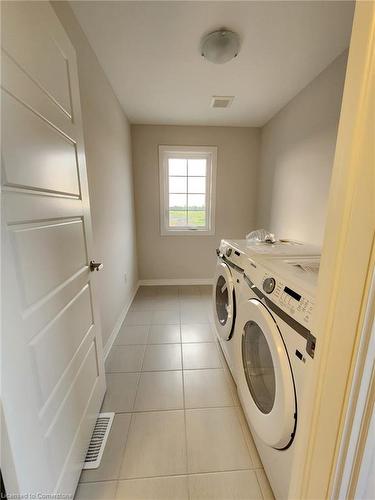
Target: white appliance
(233, 257)
(274, 349)
(280, 249)
(226, 293)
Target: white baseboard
(118, 324)
(176, 281)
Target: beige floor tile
(206, 388)
(186, 290)
(144, 303)
(159, 488)
(232, 385)
(194, 314)
(159, 391)
(121, 392)
(211, 316)
(164, 334)
(206, 290)
(139, 318)
(194, 303)
(249, 438)
(135, 334)
(236, 485)
(162, 357)
(191, 302)
(104, 490)
(166, 290)
(167, 302)
(145, 291)
(200, 356)
(264, 485)
(166, 317)
(155, 446)
(207, 302)
(223, 360)
(123, 358)
(215, 441)
(113, 453)
(197, 333)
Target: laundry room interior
(187, 310)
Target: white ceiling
(150, 53)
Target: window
(187, 189)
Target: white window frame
(210, 153)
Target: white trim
(118, 324)
(352, 445)
(347, 261)
(177, 281)
(211, 154)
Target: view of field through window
(187, 192)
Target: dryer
(274, 351)
(233, 257)
(280, 249)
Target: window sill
(187, 232)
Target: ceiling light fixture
(220, 46)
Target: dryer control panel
(290, 299)
(286, 294)
(293, 302)
(232, 254)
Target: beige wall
(108, 155)
(293, 154)
(297, 150)
(193, 256)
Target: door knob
(95, 266)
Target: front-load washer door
(224, 301)
(265, 380)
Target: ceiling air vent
(221, 101)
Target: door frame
(345, 274)
(357, 448)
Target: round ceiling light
(220, 46)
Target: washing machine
(226, 294)
(233, 256)
(274, 352)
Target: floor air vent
(98, 440)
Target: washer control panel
(232, 254)
(269, 285)
(292, 301)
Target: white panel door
(52, 364)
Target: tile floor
(179, 432)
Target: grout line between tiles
(143, 359)
(136, 395)
(167, 343)
(124, 449)
(259, 485)
(185, 427)
(172, 370)
(221, 407)
(175, 370)
(175, 475)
